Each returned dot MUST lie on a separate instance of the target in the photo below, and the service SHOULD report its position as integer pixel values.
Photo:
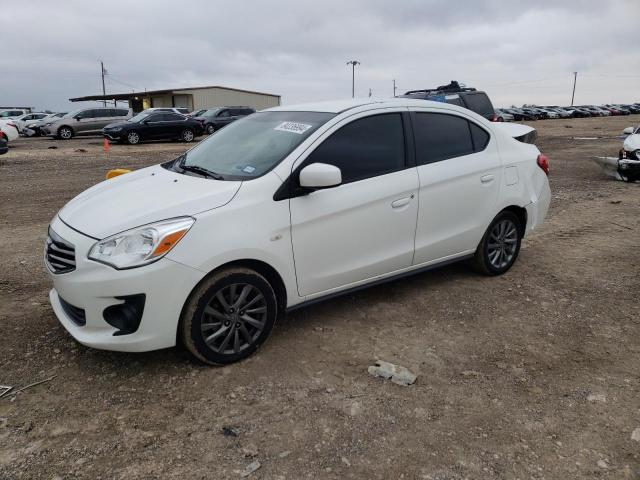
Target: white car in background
(23, 120)
(9, 130)
(201, 249)
(8, 114)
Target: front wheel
(133, 138)
(210, 129)
(228, 316)
(65, 133)
(500, 245)
(187, 135)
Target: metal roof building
(194, 98)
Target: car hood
(118, 124)
(143, 197)
(632, 142)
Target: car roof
(339, 106)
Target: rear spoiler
(522, 133)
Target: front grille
(60, 254)
(76, 314)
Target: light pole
(575, 78)
(353, 64)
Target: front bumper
(93, 287)
(113, 135)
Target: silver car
(86, 121)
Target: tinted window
(455, 100)
(172, 117)
(365, 148)
(223, 113)
(103, 112)
(439, 136)
(156, 117)
(479, 103)
(480, 137)
(121, 113)
(183, 110)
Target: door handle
(487, 178)
(401, 202)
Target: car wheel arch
(267, 271)
(519, 212)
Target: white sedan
(286, 207)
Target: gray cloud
(519, 51)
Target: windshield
(252, 146)
(139, 117)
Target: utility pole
(353, 64)
(575, 77)
(104, 92)
(370, 92)
(394, 87)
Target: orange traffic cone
(106, 146)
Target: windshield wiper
(202, 171)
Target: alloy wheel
(210, 129)
(187, 135)
(65, 133)
(503, 242)
(234, 318)
(133, 138)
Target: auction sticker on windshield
(293, 127)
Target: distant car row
(119, 124)
(581, 111)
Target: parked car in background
(22, 120)
(12, 113)
(579, 112)
(549, 113)
(200, 249)
(633, 109)
(217, 118)
(9, 130)
(155, 125)
(85, 121)
(534, 113)
(197, 113)
(560, 111)
(456, 94)
(34, 129)
(503, 116)
(519, 114)
(179, 110)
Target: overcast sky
(518, 51)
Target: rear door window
(479, 103)
(440, 136)
(364, 148)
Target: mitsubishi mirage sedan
(285, 207)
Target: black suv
(217, 118)
(458, 95)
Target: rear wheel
(500, 119)
(187, 135)
(500, 245)
(65, 133)
(228, 316)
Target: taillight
(494, 118)
(543, 163)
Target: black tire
(500, 119)
(205, 312)
(133, 137)
(187, 135)
(210, 129)
(65, 133)
(485, 260)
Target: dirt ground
(531, 375)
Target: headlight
(114, 129)
(142, 245)
(47, 124)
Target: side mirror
(77, 117)
(320, 175)
(627, 131)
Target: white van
(284, 207)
